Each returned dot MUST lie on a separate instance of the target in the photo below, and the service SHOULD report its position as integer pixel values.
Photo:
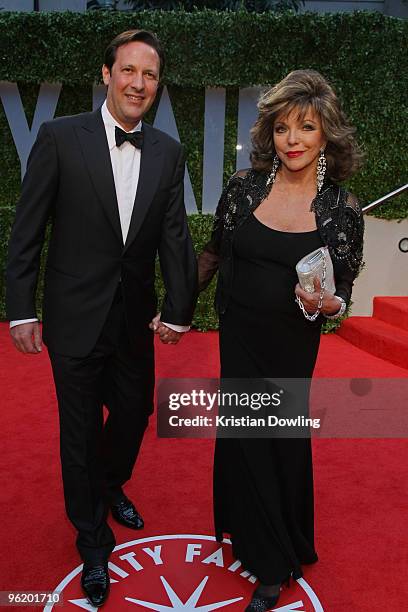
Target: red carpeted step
(378, 338)
(392, 310)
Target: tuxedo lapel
(94, 145)
(150, 170)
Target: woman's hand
(330, 304)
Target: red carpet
(361, 493)
(393, 310)
(385, 334)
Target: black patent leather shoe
(126, 514)
(95, 584)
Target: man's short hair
(133, 36)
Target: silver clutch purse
(317, 263)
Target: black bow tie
(135, 138)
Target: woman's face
(298, 141)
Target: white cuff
(177, 328)
(21, 321)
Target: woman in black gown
(269, 217)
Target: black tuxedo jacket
(69, 178)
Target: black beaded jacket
(339, 221)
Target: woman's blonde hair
(302, 90)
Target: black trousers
(97, 458)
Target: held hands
(330, 304)
(167, 335)
(27, 337)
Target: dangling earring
(321, 170)
(275, 166)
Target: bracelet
(341, 310)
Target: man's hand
(167, 335)
(27, 337)
(330, 304)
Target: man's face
(132, 83)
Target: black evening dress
(263, 488)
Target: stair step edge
(375, 327)
(394, 313)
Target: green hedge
(362, 54)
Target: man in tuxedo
(112, 186)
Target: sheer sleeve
(208, 259)
(348, 254)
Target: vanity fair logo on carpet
(179, 572)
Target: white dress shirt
(125, 162)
